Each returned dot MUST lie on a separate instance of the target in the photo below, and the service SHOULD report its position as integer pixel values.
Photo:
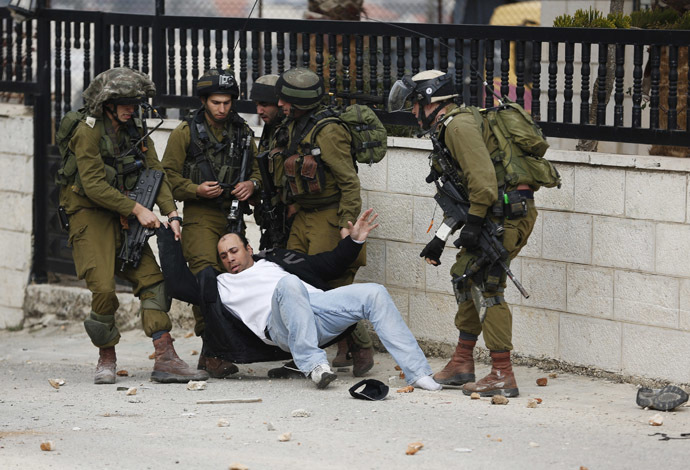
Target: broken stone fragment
(223, 423)
(238, 466)
(300, 413)
(475, 396)
(413, 448)
(542, 381)
(286, 436)
(132, 391)
(656, 420)
(196, 385)
(408, 389)
(122, 373)
(499, 400)
(532, 403)
(47, 446)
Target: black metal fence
(559, 75)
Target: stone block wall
(606, 264)
(16, 198)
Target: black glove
(469, 236)
(433, 250)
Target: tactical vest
(515, 144)
(224, 157)
(304, 170)
(121, 171)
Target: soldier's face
(234, 255)
(124, 112)
(288, 110)
(218, 106)
(268, 112)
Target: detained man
(283, 309)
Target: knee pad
(102, 330)
(155, 298)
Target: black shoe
(662, 399)
(288, 371)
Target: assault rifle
(455, 204)
(235, 218)
(274, 230)
(135, 235)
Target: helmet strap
(217, 121)
(427, 121)
(112, 112)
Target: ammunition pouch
(515, 203)
(102, 330)
(305, 174)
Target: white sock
(427, 383)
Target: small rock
(54, 383)
(132, 391)
(553, 375)
(196, 385)
(408, 389)
(499, 400)
(656, 420)
(413, 448)
(300, 413)
(397, 367)
(533, 444)
(76, 428)
(538, 400)
(475, 396)
(152, 355)
(194, 352)
(223, 423)
(122, 373)
(402, 375)
(462, 449)
(542, 381)
(531, 403)
(238, 466)
(270, 427)
(286, 436)
(47, 446)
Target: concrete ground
(581, 422)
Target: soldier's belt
(334, 205)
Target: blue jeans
(300, 321)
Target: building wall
(606, 266)
(16, 194)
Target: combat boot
(105, 370)
(362, 358)
(169, 368)
(342, 357)
(219, 368)
(460, 368)
(500, 381)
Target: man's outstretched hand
(365, 224)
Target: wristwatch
(256, 184)
(174, 218)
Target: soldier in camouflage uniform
(203, 160)
(324, 186)
(94, 198)
(472, 147)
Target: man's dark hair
(242, 238)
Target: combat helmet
(217, 82)
(300, 87)
(264, 90)
(119, 85)
(430, 86)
